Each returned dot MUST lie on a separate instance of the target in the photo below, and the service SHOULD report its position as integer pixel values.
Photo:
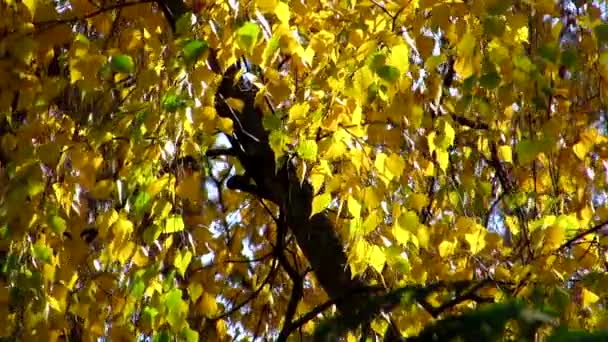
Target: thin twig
(255, 293)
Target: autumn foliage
(418, 170)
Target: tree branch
(92, 14)
(470, 123)
(582, 234)
(217, 152)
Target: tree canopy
(418, 170)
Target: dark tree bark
(315, 235)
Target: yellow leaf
(446, 138)
(298, 112)
(401, 234)
(190, 187)
(140, 258)
(587, 140)
(395, 165)
(105, 221)
(476, 241)
(588, 297)
(581, 149)
(125, 251)
(235, 104)
(356, 116)
(362, 79)
(408, 220)
(466, 46)
(464, 67)
(443, 159)
(354, 207)
(322, 41)
(370, 197)
(585, 216)
(399, 57)
(521, 35)
(554, 236)
(430, 138)
(423, 236)
(156, 186)
(195, 289)
(103, 189)
(418, 201)
(122, 229)
(207, 305)
(225, 125)
(316, 180)
(505, 154)
(266, 6)
(376, 258)
(464, 60)
(406, 224)
(182, 261)
(320, 202)
(446, 248)
(58, 298)
(464, 224)
(380, 164)
(31, 6)
(371, 222)
(502, 273)
(282, 12)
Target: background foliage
(456, 149)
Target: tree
(414, 170)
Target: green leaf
(138, 288)
(162, 336)
(563, 335)
(377, 61)
(172, 299)
(604, 58)
(182, 260)
(277, 141)
(499, 7)
(183, 24)
(490, 80)
(494, 26)
(308, 150)
(5, 233)
(601, 33)
(527, 150)
(35, 187)
(172, 102)
(122, 63)
(190, 335)
(150, 312)
(524, 63)
(373, 90)
(141, 203)
(151, 233)
(247, 35)
(42, 252)
(569, 58)
(549, 52)
(57, 224)
(388, 73)
(193, 49)
(272, 122)
(174, 224)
